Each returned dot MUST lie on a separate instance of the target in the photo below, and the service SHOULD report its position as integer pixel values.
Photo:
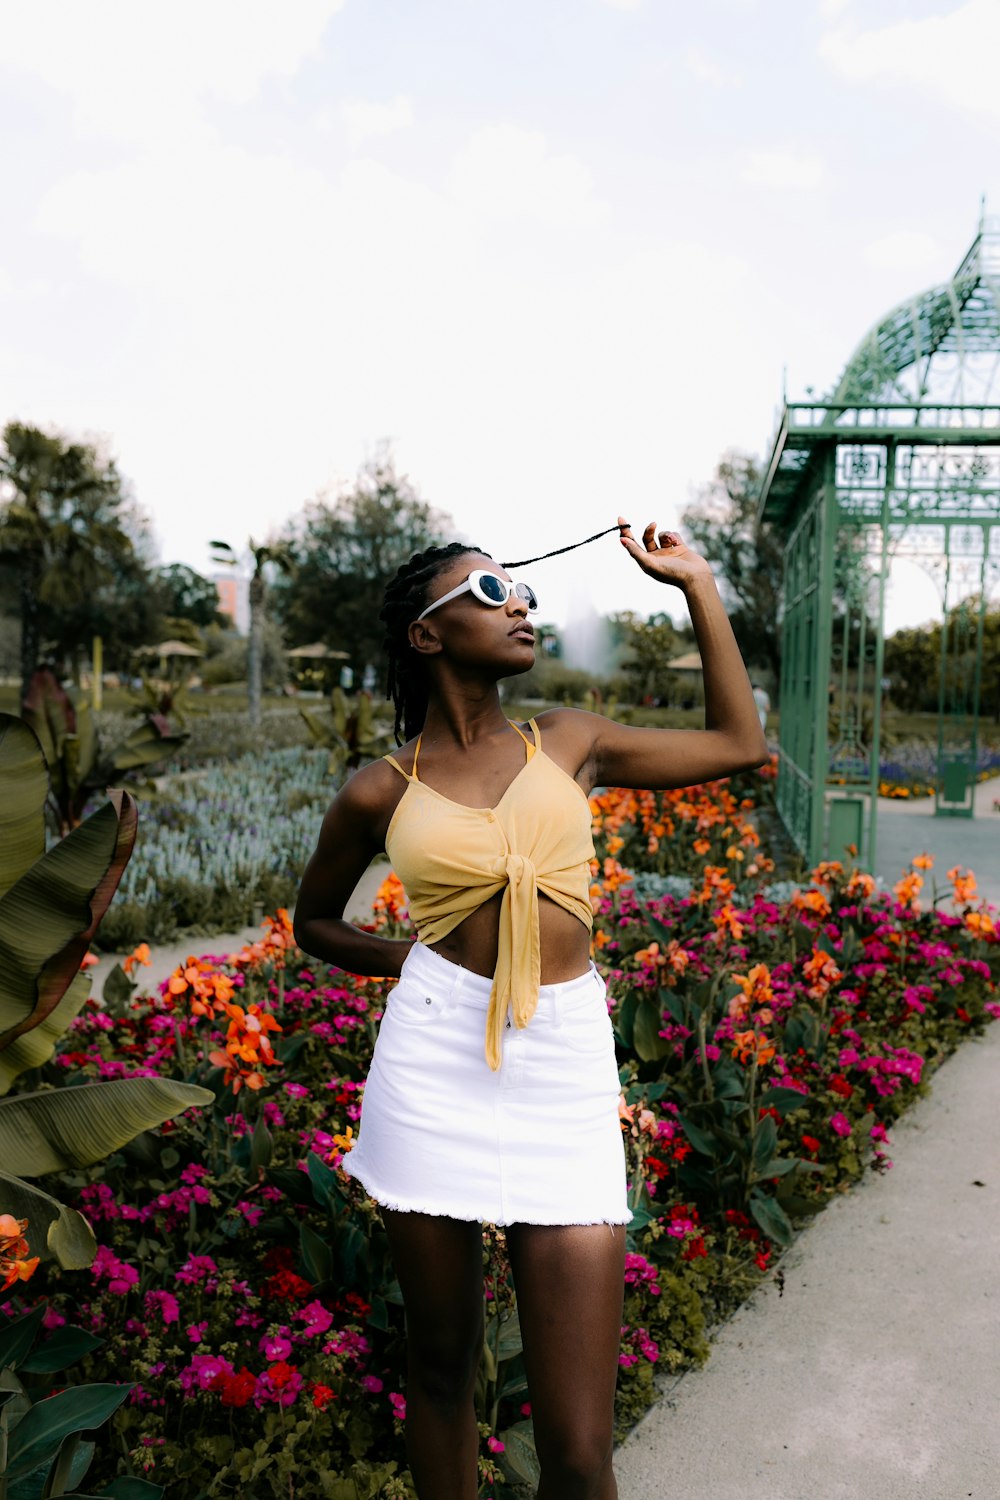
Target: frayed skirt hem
(475, 1216)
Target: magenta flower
(840, 1123)
(494, 1445)
(398, 1404)
(274, 1347)
(165, 1303)
(316, 1317)
(371, 1384)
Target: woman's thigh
(570, 1286)
(439, 1263)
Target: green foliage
(721, 524)
(649, 646)
(351, 733)
(186, 595)
(70, 549)
(78, 764)
(344, 552)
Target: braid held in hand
(405, 598)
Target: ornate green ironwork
(902, 460)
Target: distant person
(763, 701)
(493, 1090)
(346, 678)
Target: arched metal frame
(902, 460)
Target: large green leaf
(74, 1127)
(25, 782)
(49, 916)
(150, 741)
(53, 1229)
(35, 1047)
(40, 1432)
(65, 1347)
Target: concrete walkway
(909, 828)
(167, 956)
(875, 1375)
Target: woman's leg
(439, 1263)
(570, 1286)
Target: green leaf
(48, 917)
(322, 1178)
(67, 1128)
(702, 1140)
(65, 1347)
(510, 1343)
(261, 1147)
(25, 780)
(34, 1048)
(783, 1100)
(117, 990)
(772, 1219)
(53, 1229)
(519, 1460)
(625, 1018)
(149, 742)
(40, 1432)
(128, 1488)
(74, 1459)
(317, 1256)
(645, 1036)
(780, 1166)
(765, 1141)
(17, 1337)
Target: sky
(561, 254)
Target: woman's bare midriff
(565, 942)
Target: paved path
(876, 1375)
(906, 829)
(167, 956)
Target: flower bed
(244, 1282)
(215, 848)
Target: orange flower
(756, 987)
(701, 846)
(813, 901)
(860, 884)
(726, 921)
(923, 861)
(964, 884)
(139, 955)
(342, 1144)
(980, 924)
(390, 899)
(826, 872)
(907, 891)
(822, 970)
(15, 1265)
(750, 1044)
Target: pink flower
(494, 1445)
(196, 1331)
(371, 1384)
(398, 1404)
(840, 1123)
(316, 1317)
(274, 1347)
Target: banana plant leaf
(41, 1430)
(49, 711)
(53, 1229)
(25, 782)
(49, 916)
(150, 741)
(74, 1127)
(35, 1047)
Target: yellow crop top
(451, 858)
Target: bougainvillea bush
(243, 1281)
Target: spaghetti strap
(416, 752)
(396, 766)
(531, 748)
(536, 732)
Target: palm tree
(272, 552)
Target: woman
(493, 1088)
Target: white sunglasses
(488, 589)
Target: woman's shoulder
(370, 787)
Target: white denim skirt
(537, 1142)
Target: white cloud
(782, 169)
(624, 4)
(367, 121)
(905, 250)
(506, 172)
(708, 70)
(138, 72)
(952, 56)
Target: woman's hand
(664, 556)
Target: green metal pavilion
(902, 460)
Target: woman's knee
(444, 1362)
(580, 1459)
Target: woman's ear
(424, 638)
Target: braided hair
(405, 598)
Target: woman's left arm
(732, 739)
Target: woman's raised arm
(732, 739)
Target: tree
(650, 644)
(722, 526)
(64, 541)
(277, 554)
(344, 552)
(186, 595)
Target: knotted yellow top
(451, 858)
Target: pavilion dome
(941, 347)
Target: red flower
(839, 1085)
(657, 1167)
(235, 1390)
(286, 1286)
(694, 1249)
(810, 1143)
(280, 1374)
(322, 1395)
